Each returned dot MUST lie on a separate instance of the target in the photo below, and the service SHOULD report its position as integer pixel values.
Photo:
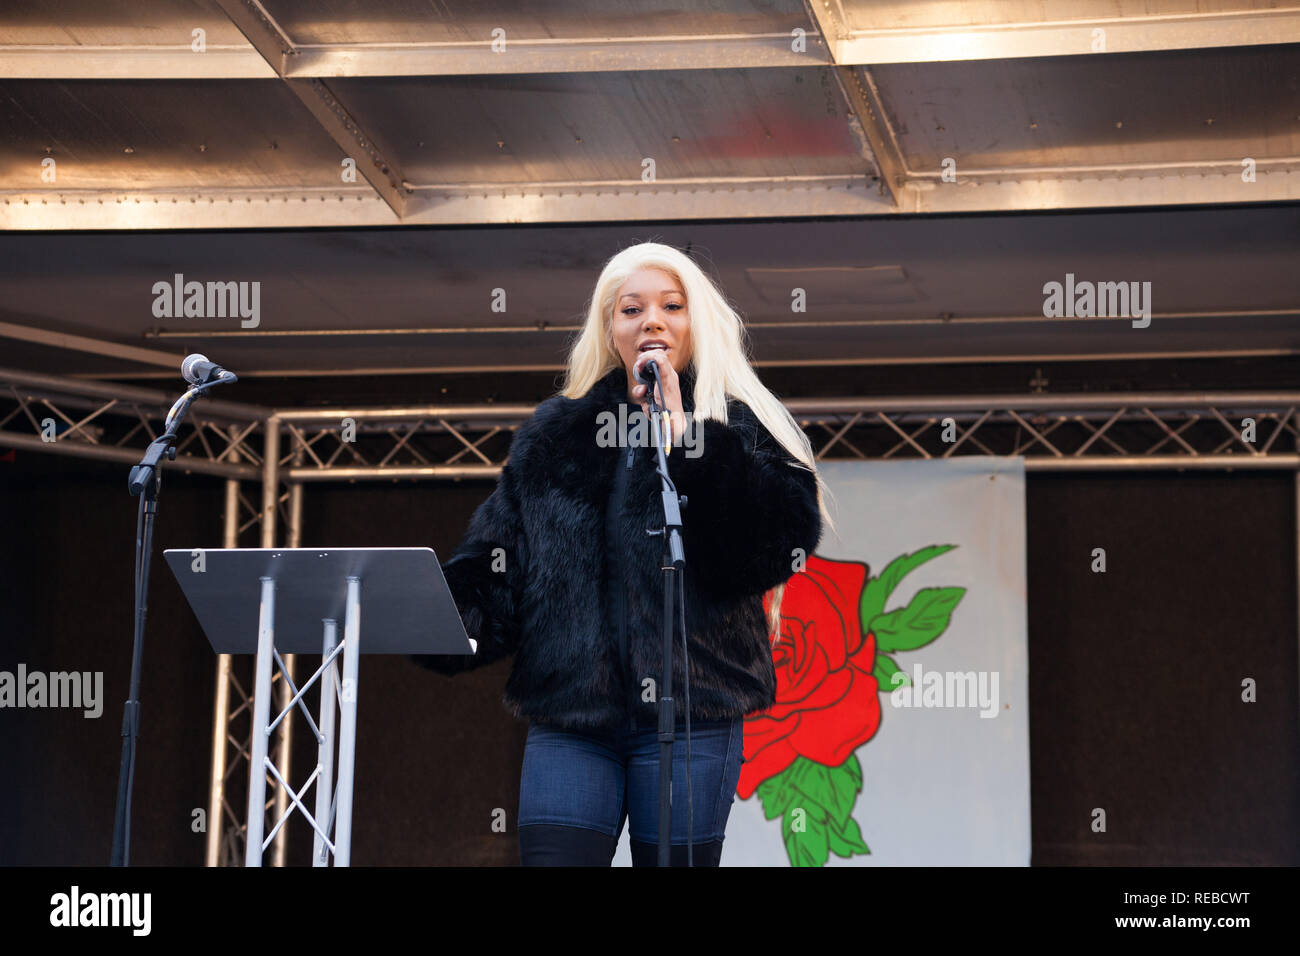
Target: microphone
(197, 370)
(648, 373)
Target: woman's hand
(669, 392)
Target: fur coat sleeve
(486, 583)
(751, 506)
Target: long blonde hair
(720, 355)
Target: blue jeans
(592, 781)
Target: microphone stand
(673, 566)
(145, 482)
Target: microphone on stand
(197, 370)
(202, 375)
(145, 481)
(674, 568)
(648, 375)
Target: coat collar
(558, 448)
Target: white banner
(900, 736)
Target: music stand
(268, 600)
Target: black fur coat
(545, 602)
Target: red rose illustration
(827, 702)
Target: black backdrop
(1135, 675)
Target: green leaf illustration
(809, 846)
(848, 841)
(776, 795)
(920, 622)
(879, 588)
(853, 770)
(815, 803)
(884, 672)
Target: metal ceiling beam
(879, 145)
(1011, 189)
(609, 54)
(470, 58)
(842, 44)
(1096, 403)
(1282, 462)
(1034, 187)
(947, 320)
(132, 62)
(455, 204)
(1000, 358)
(488, 412)
(70, 385)
(1277, 180)
(83, 343)
(277, 49)
(127, 456)
(1089, 36)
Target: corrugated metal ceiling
(461, 113)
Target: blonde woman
(561, 567)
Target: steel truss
(283, 449)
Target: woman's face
(650, 308)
